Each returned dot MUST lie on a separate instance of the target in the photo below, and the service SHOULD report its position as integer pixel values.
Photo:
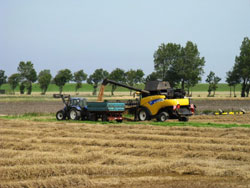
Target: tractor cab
(73, 107)
(78, 103)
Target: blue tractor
(74, 108)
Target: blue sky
(81, 34)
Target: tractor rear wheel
(163, 116)
(60, 115)
(143, 115)
(74, 114)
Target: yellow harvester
(158, 100)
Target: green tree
(22, 87)
(62, 77)
(27, 75)
(242, 66)
(166, 55)
(3, 78)
(97, 77)
(232, 80)
(44, 79)
(117, 75)
(79, 77)
(134, 77)
(247, 89)
(213, 81)
(179, 65)
(152, 77)
(13, 81)
(190, 66)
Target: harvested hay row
(183, 167)
(62, 181)
(142, 144)
(34, 154)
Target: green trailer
(106, 111)
(105, 106)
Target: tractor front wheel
(60, 115)
(74, 114)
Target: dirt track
(22, 107)
(53, 106)
(60, 154)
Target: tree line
(27, 75)
(181, 66)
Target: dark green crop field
(70, 87)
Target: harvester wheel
(183, 119)
(163, 116)
(74, 114)
(60, 115)
(143, 115)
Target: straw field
(63, 154)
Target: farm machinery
(158, 100)
(76, 108)
(222, 112)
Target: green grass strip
(39, 117)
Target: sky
(92, 34)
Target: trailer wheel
(143, 115)
(74, 114)
(104, 117)
(60, 115)
(93, 117)
(183, 119)
(163, 116)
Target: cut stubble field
(69, 154)
(38, 151)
